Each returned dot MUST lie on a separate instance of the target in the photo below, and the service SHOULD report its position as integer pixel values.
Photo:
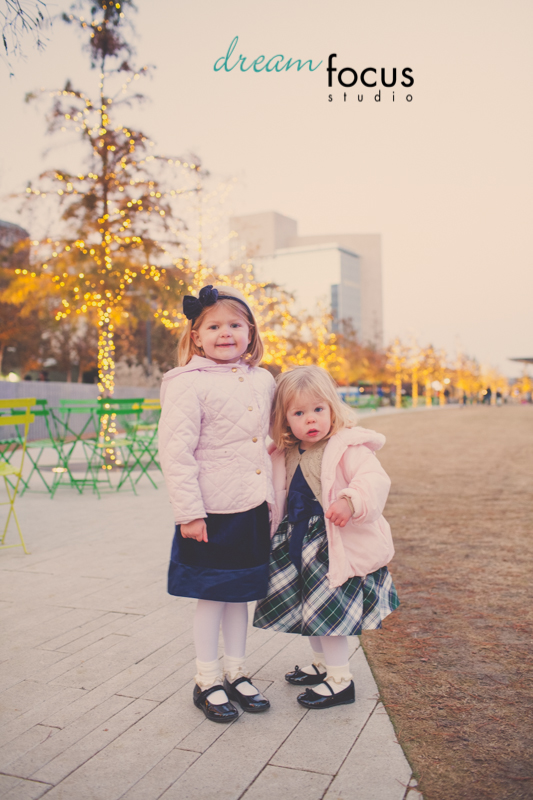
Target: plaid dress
(302, 601)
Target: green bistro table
(111, 448)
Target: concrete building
(342, 270)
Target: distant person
(212, 442)
(465, 399)
(43, 375)
(499, 398)
(487, 396)
(331, 546)
(27, 377)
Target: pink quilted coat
(349, 468)
(212, 438)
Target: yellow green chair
(10, 470)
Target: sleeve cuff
(353, 501)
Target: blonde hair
(254, 352)
(312, 381)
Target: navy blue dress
(232, 566)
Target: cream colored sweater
(310, 462)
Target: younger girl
(214, 422)
(328, 573)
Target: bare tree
(18, 18)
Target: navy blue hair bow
(193, 306)
(207, 296)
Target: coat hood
(357, 435)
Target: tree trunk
(106, 356)
(106, 384)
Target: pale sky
(445, 179)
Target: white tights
(210, 615)
(330, 650)
(207, 620)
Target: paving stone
(322, 740)
(413, 794)
(91, 699)
(60, 740)
(74, 662)
(38, 713)
(182, 652)
(128, 650)
(375, 765)
(177, 614)
(287, 650)
(27, 790)
(185, 661)
(162, 776)
(72, 758)
(26, 664)
(130, 756)
(127, 598)
(34, 634)
(7, 782)
(84, 635)
(23, 696)
(276, 782)
(22, 744)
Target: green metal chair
(143, 443)
(112, 448)
(9, 470)
(143, 446)
(40, 445)
(67, 438)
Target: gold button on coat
(241, 379)
(250, 408)
(254, 439)
(234, 369)
(258, 471)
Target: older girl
(214, 423)
(328, 567)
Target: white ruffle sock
(339, 677)
(318, 657)
(234, 630)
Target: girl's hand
(195, 530)
(339, 512)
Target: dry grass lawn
(455, 663)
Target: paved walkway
(96, 678)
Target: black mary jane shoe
(300, 678)
(311, 699)
(224, 712)
(254, 703)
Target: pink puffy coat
(212, 438)
(349, 468)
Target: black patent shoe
(300, 678)
(224, 712)
(254, 703)
(311, 699)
